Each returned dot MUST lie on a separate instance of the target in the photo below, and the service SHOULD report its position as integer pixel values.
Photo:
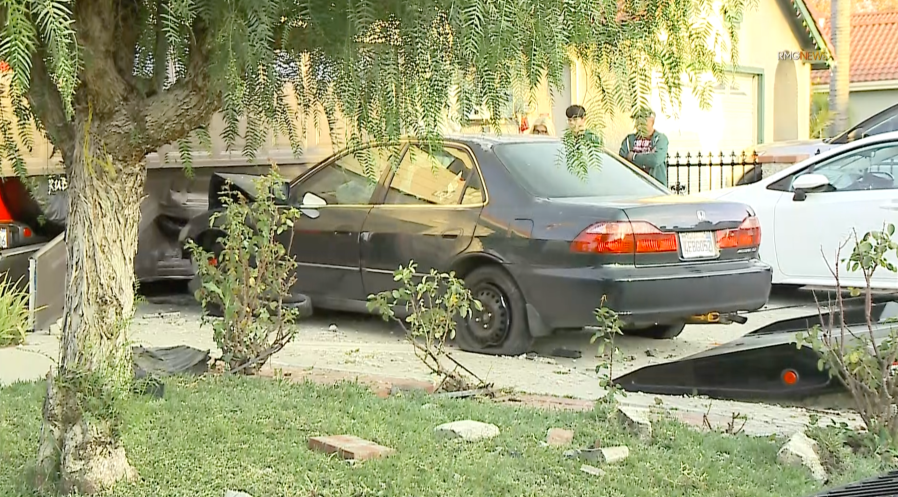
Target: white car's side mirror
(805, 183)
(810, 182)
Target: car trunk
(703, 231)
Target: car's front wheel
(501, 327)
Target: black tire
(659, 332)
(505, 309)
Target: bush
(13, 313)
(863, 360)
(248, 280)
(434, 305)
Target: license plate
(4, 238)
(56, 184)
(699, 245)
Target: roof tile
(874, 48)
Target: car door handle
(890, 206)
(451, 234)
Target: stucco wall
(765, 32)
(864, 103)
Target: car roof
(891, 136)
(488, 141)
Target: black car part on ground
(763, 364)
(878, 486)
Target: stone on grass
(349, 447)
(232, 493)
(467, 430)
(559, 436)
(636, 421)
(592, 470)
(800, 450)
(611, 455)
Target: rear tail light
(747, 235)
(624, 237)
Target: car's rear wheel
(501, 327)
(659, 331)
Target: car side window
(432, 177)
(889, 125)
(344, 182)
(870, 168)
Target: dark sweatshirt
(653, 163)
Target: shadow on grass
(218, 433)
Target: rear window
(537, 168)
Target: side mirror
(806, 183)
(310, 205)
(857, 134)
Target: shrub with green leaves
(250, 275)
(433, 304)
(13, 313)
(863, 360)
(609, 327)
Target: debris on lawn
(466, 394)
(567, 353)
(636, 421)
(349, 447)
(332, 328)
(801, 450)
(232, 493)
(592, 470)
(533, 356)
(611, 455)
(467, 430)
(606, 455)
(557, 437)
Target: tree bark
(840, 78)
(79, 443)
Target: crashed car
(537, 245)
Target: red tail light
(747, 235)
(624, 237)
(5, 216)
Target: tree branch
(102, 86)
(160, 53)
(189, 103)
(46, 104)
(142, 125)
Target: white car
(812, 208)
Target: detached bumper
(642, 296)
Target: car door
(862, 196)
(326, 237)
(428, 215)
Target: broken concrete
(467, 430)
(557, 437)
(349, 447)
(611, 455)
(636, 421)
(592, 470)
(801, 450)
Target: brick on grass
(349, 447)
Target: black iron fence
(690, 173)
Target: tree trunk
(79, 443)
(840, 79)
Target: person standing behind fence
(649, 152)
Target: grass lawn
(214, 434)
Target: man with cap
(648, 150)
